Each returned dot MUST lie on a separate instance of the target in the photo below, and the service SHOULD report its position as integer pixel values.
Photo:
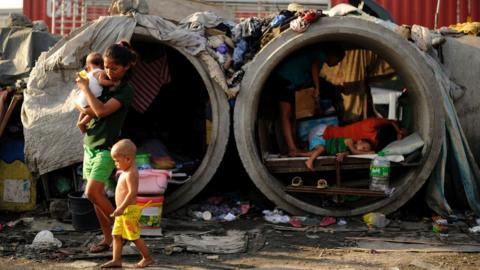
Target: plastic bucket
(153, 181)
(83, 213)
(152, 213)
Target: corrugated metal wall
(422, 12)
(69, 14)
(264, 8)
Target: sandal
(297, 181)
(99, 248)
(322, 183)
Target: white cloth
(94, 86)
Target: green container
(143, 161)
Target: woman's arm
(85, 110)
(401, 133)
(97, 108)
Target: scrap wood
(317, 229)
(234, 242)
(6, 117)
(411, 241)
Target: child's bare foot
(309, 164)
(111, 264)
(144, 262)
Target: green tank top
(103, 132)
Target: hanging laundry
(147, 80)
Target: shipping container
(422, 12)
(264, 8)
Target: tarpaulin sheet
(19, 49)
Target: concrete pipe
(398, 52)
(181, 103)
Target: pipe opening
(367, 83)
(182, 129)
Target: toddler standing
(127, 213)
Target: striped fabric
(147, 80)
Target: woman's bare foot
(111, 264)
(144, 262)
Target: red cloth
(365, 129)
(147, 80)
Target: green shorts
(98, 165)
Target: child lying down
(340, 147)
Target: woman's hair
(122, 53)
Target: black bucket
(83, 213)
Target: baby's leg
(117, 253)
(319, 149)
(146, 258)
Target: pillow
(404, 146)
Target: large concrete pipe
(399, 53)
(179, 112)
(190, 68)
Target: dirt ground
(401, 245)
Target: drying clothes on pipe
(351, 74)
(147, 80)
(199, 20)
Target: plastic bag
(374, 219)
(45, 240)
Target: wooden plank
(11, 107)
(297, 164)
(336, 190)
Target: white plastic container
(380, 173)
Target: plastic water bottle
(380, 173)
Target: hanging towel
(147, 80)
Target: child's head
(123, 153)
(118, 60)
(94, 60)
(363, 145)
